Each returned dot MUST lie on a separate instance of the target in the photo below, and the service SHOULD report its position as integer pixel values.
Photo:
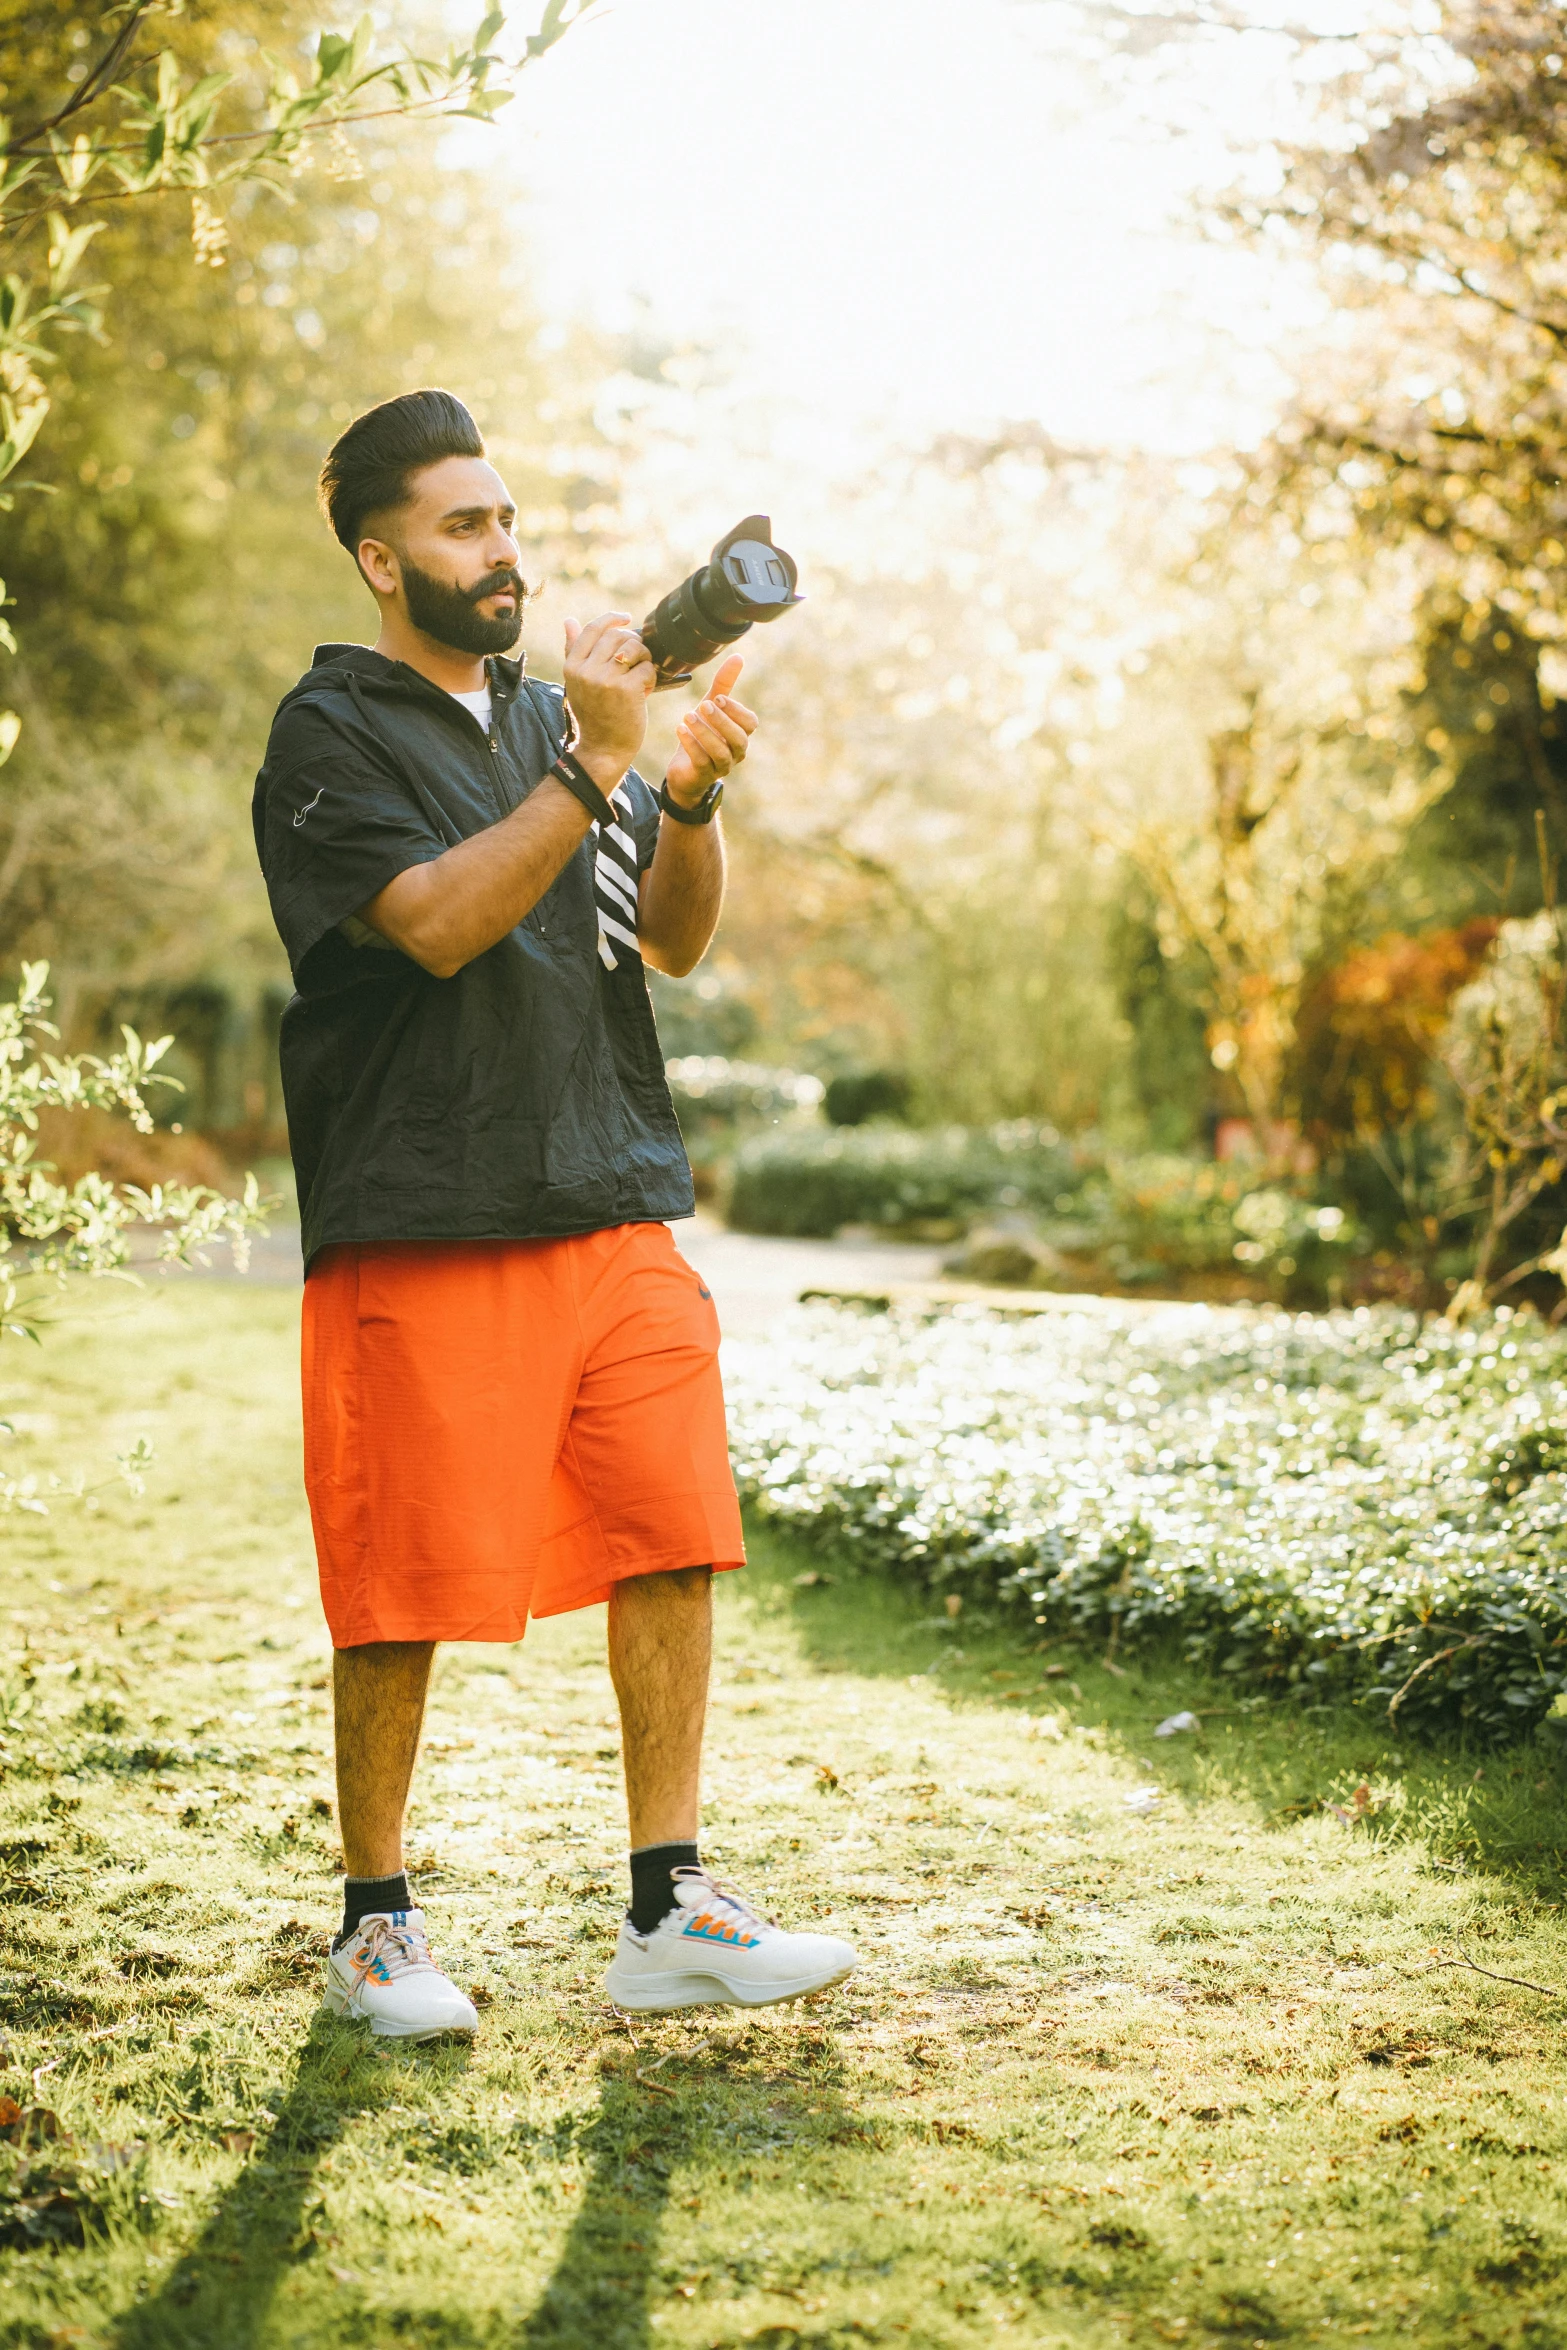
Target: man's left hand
(713, 738)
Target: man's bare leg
(687, 1941)
(660, 1652)
(378, 1695)
(381, 1972)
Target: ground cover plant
(1153, 2041)
(1356, 1505)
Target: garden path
(754, 1279)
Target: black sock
(365, 1897)
(653, 1881)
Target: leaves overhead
(140, 120)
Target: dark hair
(368, 469)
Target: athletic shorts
(500, 1429)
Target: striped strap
(615, 879)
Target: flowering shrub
(1348, 1504)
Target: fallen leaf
(481, 1995)
(1171, 1727)
(238, 2141)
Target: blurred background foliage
(1161, 813)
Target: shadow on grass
(726, 2106)
(602, 2287)
(219, 2295)
(1500, 1810)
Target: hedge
(1346, 1504)
(807, 1181)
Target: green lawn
(1186, 2073)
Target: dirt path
(1146, 2046)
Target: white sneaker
(713, 1950)
(384, 1976)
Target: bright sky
(910, 213)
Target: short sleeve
(333, 827)
(645, 818)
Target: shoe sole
(713, 1991)
(344, 2010)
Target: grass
(1108, 2075)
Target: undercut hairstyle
(370, 469)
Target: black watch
(704, 811)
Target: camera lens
(746, 579)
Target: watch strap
(703, 813)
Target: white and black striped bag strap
(614, 848)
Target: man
(511, 1393)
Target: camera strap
(616, 874)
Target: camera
(744, 580)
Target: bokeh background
(1146, 877)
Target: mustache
(510, 578)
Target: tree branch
(92, 87)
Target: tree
(1263, 776)
(134, 126)
(915, 887)
(1437, 200)
(178, 577)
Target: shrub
(50, 1228)
(857, 1096)
(711, 1090)
(1348, 1504)
(811, 1181)
(1158, 1215)
(1141, 1220)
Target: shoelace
(402, 1950)
(725, 1897)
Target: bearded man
(511, 1394)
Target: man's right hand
(609, 675)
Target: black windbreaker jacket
(523, 1099)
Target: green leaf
(10, 728)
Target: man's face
(453, 557)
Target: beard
(451, 614)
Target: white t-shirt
(478, 703)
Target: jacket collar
(505, 675)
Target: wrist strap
(704, 811)
(571, 772)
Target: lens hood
(746, 579)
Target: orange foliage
(1368, 1031)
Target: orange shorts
(502, 1428)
